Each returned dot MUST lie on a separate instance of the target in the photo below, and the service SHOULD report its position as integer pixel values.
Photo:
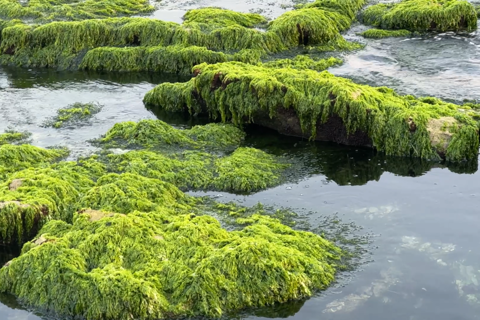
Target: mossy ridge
(173, 263)
(396, 124)
(52, 10)
(423, 15)
(74, 114)
(133, 44)
(158, 134)
(380, 33)
(14, 137)
(302, 62)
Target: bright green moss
(379, 33)
(423, 15)
(74, 114)
(14, 137)
(304, 62)
(170, 59)
(42, 10)
(165, 264)
(347, 8)
(401, 126)
(14, 158)
(158, 134)
(217, 16)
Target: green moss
(423, 15)
(158, 134)
(304, 62)
(379, 33)
(170, 59)
(397, 125)
(14, 158)
(43, 10)
(165, 264)
(347, 8)
(74, 114)
(14, 137)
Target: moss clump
(171, 59)
(304, 62)
(44, 11)
(423, 15)
(158, 134)
(74, 114)
(165, 264)
(397, 125)
(379, 33)
(14, 158)
(14, 137)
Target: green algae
(398, 125)
(423, 15)
(44, 11)
(74, 114)
(14, 137)
(167, 263)
(158, 134)
(379, 33)
(304, 62)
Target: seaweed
(304, 62)
(379, 33)
(158, 134)
(74, 114)
(423, 15)
(52, 10)
(166, 263)
(12, 136)
(397, 125)
(218, 16)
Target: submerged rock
(323, 107)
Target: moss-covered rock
(42, 11)
(158, 134)
(218, 16)
(74, 114)
(165, 264)
(423, 15)
(304, 62)
(320, 106)
(380, 33)
(14, 137)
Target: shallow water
(426, 261)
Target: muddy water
(426, 260)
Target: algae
(397, 125)
(74, 114)
(14, 137)
(379, 33)
(166, 263)
(304, 62)
(423, 15)
(158, 134)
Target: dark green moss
(423, 15)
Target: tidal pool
(423, 216)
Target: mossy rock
(14, 137)
(423, 15)
(320, 106)
(304, 62)
(52, 10)
(165, 264)
(380, 33)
